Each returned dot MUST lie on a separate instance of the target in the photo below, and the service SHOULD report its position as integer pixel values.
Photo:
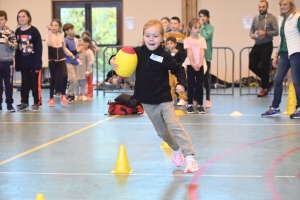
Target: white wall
(143, 12)
(40, 11)
(226, 17)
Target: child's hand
(5, 38)
(179, 89)
(49, 28)
(113, 64)
(72, 57)
(275, 62)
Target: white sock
(190, 157)
(177, 151)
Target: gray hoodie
(268, 23)
(7, 50)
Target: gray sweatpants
(167, 126)
(72, 74)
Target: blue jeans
(286, 62)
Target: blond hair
(191, 25)
(154, 22)
(293, 6)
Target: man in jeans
(264, 28)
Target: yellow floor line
(54, 141)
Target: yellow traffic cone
(291, 101)
(164, 145)
(122, 165)
(39, 197)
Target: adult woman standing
(288, 56)
(207, 32)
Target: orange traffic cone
(39, 197)
(291, 101)
(122, 164)
(164, 145)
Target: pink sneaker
(51, 102)
(63, 99)
(177, 158)
(190, 166)
(207, 104)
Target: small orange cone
(291, 101)
(39, 197)
(122, 164)
(164, 145)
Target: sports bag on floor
(116, 108)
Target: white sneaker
(84, 98)
(190, 166)
(76, 98)
(181, 102)
(79, 98)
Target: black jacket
(152, 77)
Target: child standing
(153, 91)
(28, 58)
(89, 78)
(207, 31)
(195, 45)
(8, 44)
(85, 67)
(57, 61)
(72, 63)
(171, 43)
(175, 32)
(165, 21)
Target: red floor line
(194, 183)
(270, 173)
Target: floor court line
(193, 187)
(270, 176)
(149, 123)
(229, 124)
(54, 141)
(136, 174)
(46, 122)
(142, 115)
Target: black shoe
(190, 109)
(201, 110)
(23, 107)
(0, 108)
(35, 107)
(10, 108)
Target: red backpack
(116, 108)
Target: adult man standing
(264, 28)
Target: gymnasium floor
(68, 152)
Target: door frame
(116, 3)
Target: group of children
(69, 58)
(194, 52)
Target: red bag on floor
(116, 108)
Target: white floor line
(230, 124)
(136, 174)
(46, 122)
(149, 123)
(105, 113)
